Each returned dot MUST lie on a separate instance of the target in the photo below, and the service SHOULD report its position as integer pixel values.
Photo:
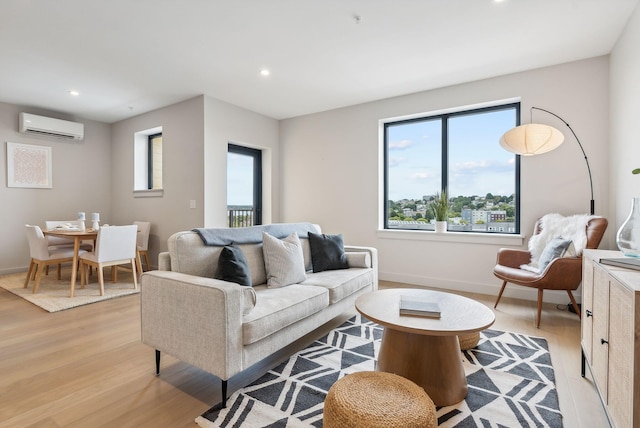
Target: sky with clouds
(477, 163)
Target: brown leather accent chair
(561, 274)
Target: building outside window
(457, 152)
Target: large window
(457, 153)
(244, 186)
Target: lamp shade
(531, 139)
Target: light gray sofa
(223, 327)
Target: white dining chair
(115, 245)
(142, 242)
(42, 256)
(59, 243)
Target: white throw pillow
(283, 260)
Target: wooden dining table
(77, 236)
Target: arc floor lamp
(534, 139)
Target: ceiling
(127, 57)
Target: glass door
(244, 186)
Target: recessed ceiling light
(74, 93)
(265, 72)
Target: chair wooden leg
(146, 261)
(83, 274)
(38, 277)
(59, 271)
(101, 280)
(46, 270)
(135, 274)
(574, 304)
(114, 274)
(540, 292)
(138, 262)
(29, 273)
(504, 284)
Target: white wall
(195, 135)
(624, 117)
(81, 182)
(183, 171)
(224, 124)
(330, 171)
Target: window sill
(148, 193)
(455, 237)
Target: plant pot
(441, 226)
(628, 236)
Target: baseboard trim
(512, 290)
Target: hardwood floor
(86, 367)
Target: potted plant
(440, 208)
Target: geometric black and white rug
(509, 375)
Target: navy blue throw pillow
(327, 252)
(233, 267)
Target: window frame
(444, 117)
(150, 160)
(141, 156)
(256, 155)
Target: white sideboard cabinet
(611, 335)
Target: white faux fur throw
(557, 225)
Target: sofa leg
(224, 394)
(157, 362)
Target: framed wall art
(29, 166)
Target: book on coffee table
(625, 262)
(414, 306)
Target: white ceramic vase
(441, 226)
(628, 236)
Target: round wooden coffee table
(426, 350)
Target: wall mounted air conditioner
(41, 125)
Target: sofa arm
(372, 255)
(197, 320)
(164, 261)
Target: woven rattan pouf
(378, 400)
(468, 341)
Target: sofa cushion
(248, 300)
(283, 260)
(277, 308)
(255, 261)
(188, 254)
(233, 267)
(327, 252)
(358, 259)
(341, 283)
